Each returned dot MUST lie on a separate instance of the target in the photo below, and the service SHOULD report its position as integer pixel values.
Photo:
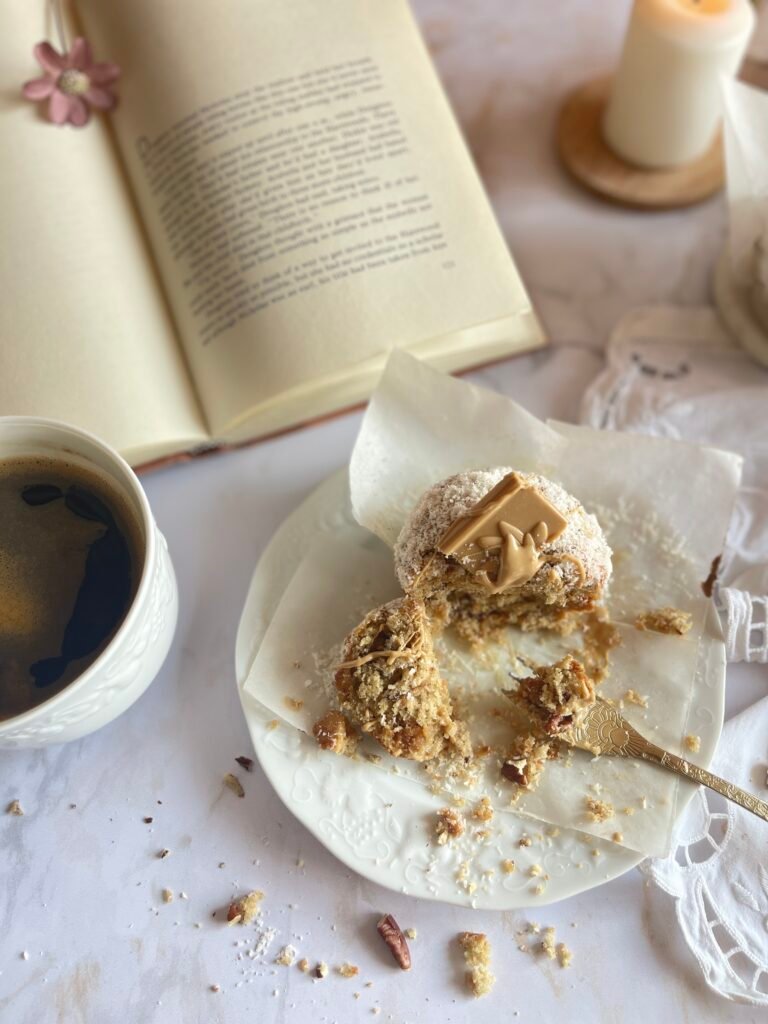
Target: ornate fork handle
(650, 752)
(602, 730)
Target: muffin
(489, 548)
(390, 686)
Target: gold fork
(603, 730)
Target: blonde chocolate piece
(512, 519)
(511, 504)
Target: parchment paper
(665, 507)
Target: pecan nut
(516, 770)
(390, 931)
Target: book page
(84, 332)
(308, 195)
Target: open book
(281, 196)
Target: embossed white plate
(378, 824)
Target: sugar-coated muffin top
(446, 501)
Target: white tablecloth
(80, 887)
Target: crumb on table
(347, 970)
(477, 956)
(232, 782)
(508, 866)
(286, 956)
(245, 909)
(598, 810)
(449, 825)
(564, 955)
(303, 965)
(548, 947)
(167, 895)
(14, 807)
(618, 837)
(672, 621)
(293, 703)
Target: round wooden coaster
(589, 159)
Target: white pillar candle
(665, 106)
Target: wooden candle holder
(587, 156)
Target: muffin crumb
(672, 621)
(548, 947)
(245, 909)
(564, 955)
(693, 743)
(335, 733)
(477, 956)
(598, 810)
(633, 697)
(286, 956)
(449, 825)
(483, 810)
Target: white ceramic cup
(132, 659)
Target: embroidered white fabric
(675, 373)
(717, 873)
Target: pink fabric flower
(72, 83)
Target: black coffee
(70, 562)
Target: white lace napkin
(718, 873)
(675, 373)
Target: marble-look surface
(80, 879)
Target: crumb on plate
(672, 621)
(334, 732)
(598, 810)
(693, 743)
(449, 825)
(483, 810)
(633, 697)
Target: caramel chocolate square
(509, 504)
